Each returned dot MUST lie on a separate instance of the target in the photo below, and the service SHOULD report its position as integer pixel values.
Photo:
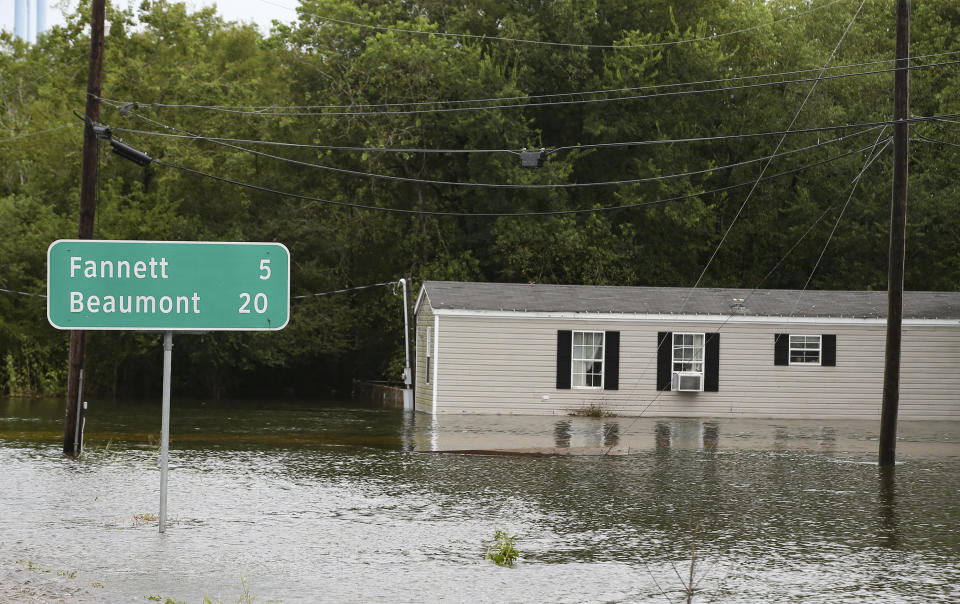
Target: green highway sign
(167, 285)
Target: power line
(856, 179)
(341, 291)
(559, 44)
(531, 186)
(507, 214)
(725, 137)
(812, 130)
(56, 69)
(869, 162)
(949, 121)
(853, 188)
(927, 139)
(37, 133)
(264, 113)
(259, 108)
(871, 159)
(754, 185)
(306, 146)
(13, 291)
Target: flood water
(306, 502)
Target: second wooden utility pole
(898, 236)
(88, 206)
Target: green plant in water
(593, 409)
(503, 551)
(92, 453)
(139, 519)
(245, 596)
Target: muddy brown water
(307, 502)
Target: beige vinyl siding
(489, 364)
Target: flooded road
(300, 502)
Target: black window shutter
(611, 360)
(564, 350)
(828, 354)
(781, 349)
(664, 358)
(711, 361)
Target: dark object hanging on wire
(102, 132)
(127, 152)
(119, 147)
(532, 159)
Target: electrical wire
(764, 169)
(670, 141)
(259, 108)
(37, 133)
(616, 99)
(874, 154)
(341, 291)
(871, 159)
(56, 69)
(749, 194)
(833, 231)
(557, 44)
(949, 121)
(13, 291)
(927, 139)
(522, 186)
(506, 214)
(306, 146)
(867, 164)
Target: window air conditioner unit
(687, 381)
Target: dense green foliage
(360, 87)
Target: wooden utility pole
(898, 228)
(88, 206)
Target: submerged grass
(141, 519)
(31, 565)
(593, 409)
(245, 596)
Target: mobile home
(706, 352)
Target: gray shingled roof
(670, 300)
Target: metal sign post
(165, 425)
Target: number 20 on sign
(168, 285)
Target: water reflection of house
(553, 349)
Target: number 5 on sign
(264, 269)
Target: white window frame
(804, 349)
(575, 359)
(429, 355)
(677, 374)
